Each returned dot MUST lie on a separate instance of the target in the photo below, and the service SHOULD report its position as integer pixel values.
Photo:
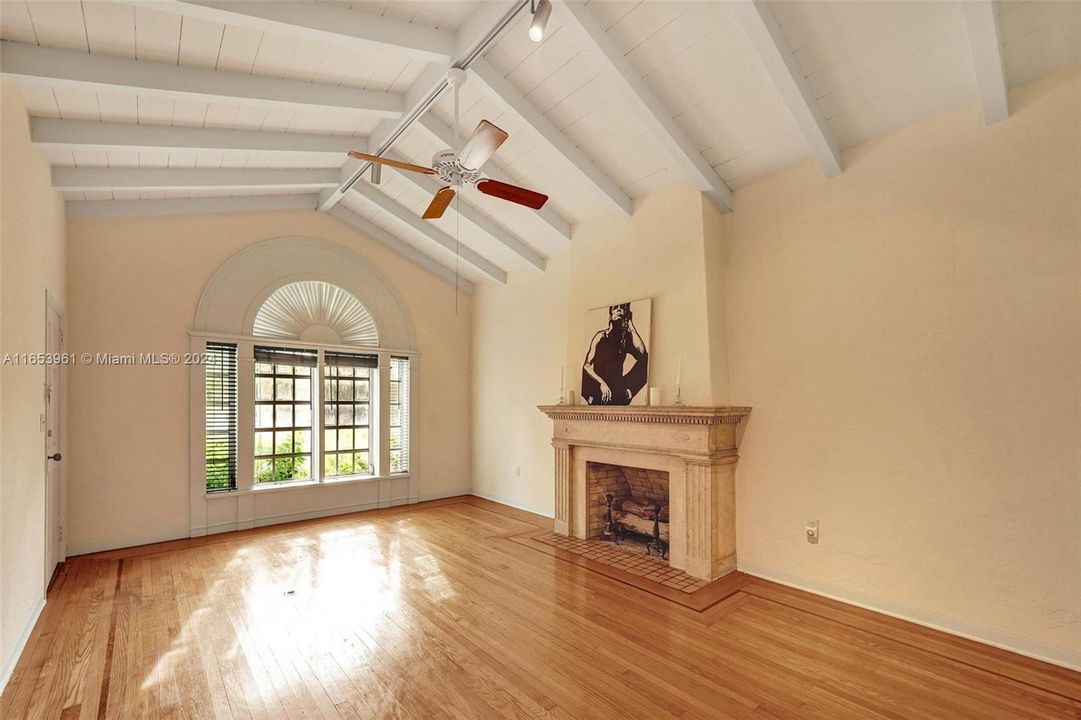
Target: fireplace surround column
(711, 506)
(563, 480)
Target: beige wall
(909, 334)
(525, 331)
(32, 248)
(134, 285)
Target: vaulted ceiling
(148, 107)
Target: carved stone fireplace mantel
(695, 445)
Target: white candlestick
(679, 372)
(654, 396)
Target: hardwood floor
(434, 612)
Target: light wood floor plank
(449, 610)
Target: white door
(54, 551)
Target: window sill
(270, 488)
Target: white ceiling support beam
(77, 209)
(483, 74)
(433, 233)
(768, 40)
(418, 98)
(647, 106)
(89, 135)
(68, 68)
(89, 179)
(470, 213)
(445, 134)
(320, 22)
(480, 31)
(381, 236)
(986, 45)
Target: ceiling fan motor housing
(446, 166)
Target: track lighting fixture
(542, 10)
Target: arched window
(315, 311)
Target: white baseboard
(102, 547)
(1022, 646)
(20, 645)
(511, 503)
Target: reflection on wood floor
(433, 612)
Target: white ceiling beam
(89, 135)
(320, 22)
(68, 68)
(768, 40)
(473, 215)
(381, 236)
(479, 31)
(648, 106)
(982, 22)
(442, 132)
(483, 74)
(77, 209)
(430, 231)
(75, 179)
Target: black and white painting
(616, 366)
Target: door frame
(54, 540)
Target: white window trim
(390, 485)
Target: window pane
(302, 441)
(264, 416)
(362, 392)
(395, 438)
(264, 388)
(360, 463)
(264, 443)
(284, 386)
(302, 390)
(361, 438)
(345, 439)
(301, 469)
(283, 442)
(345, 390)
(263, 471)
(283, 416)
(345, 414)
(345, 464)
(330, 389)
(330, 418)
(330, 465)
(360, 415)
(302, 415)
(395, 460)
(330, 440)
(264, 368)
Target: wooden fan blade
(512, 193)
(439, 203)
(482, 145)
(392, 163)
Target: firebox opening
(628, 506)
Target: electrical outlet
(812, 531)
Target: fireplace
(599, 449)
(627, 505)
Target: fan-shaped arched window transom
(315, 311)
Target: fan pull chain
(457, 236)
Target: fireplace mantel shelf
(667, 414)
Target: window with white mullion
(347, 414)
(284, 402)
(399, 414)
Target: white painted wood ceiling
(866, 69)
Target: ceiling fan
(464, 168)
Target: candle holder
(562, 396)
(679, 399)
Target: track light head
(541, 13)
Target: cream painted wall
(525, 331)
(134, 285)
(32, 245)
(909, 334)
